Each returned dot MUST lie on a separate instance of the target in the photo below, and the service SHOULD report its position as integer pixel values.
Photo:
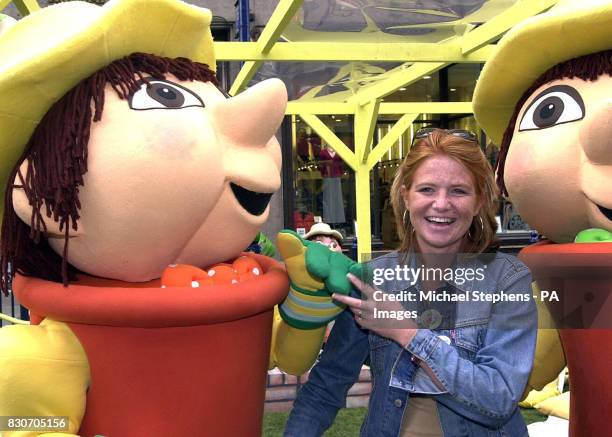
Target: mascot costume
(132, 185)
(552, 115)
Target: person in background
(324, 234)
(464, 374)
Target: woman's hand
(367, 307)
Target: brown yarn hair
(481, 237)
(56, 160)
(587, 68)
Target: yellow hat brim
(47, 53)
(568, 30)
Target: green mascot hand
(594, 235)
(315, 272)
(332, 267)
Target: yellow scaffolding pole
(390, 139)
(281, 16)
(330, 137)
(399, 77)
(386, 108)
(365, 122)
(348, 52)
(426, 107)
(25, 7)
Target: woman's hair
(587, 68)
(481, 234)
(56, 157)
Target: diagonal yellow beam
(330, 137)
(244, 76)
(349, 52)
(426, 108)
(25, 7)
(500, 24)
(326, 108)
(390, 139)
(365, 122)
(395, 80)
(284, 12)
(386, 108)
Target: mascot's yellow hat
(568, 30)
(46, 54)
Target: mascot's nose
(253, 116)
(596, 136)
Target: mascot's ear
(23, 209)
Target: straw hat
(47, 53)
(568, 30)
(323, 229)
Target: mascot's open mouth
(254, 203)
(605, 211)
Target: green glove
(594, 235)
(332, 267)
(315, 272)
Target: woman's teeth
(440, 220)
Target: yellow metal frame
(365, 104)
(24, 7)
(342, 51)
(469, 45)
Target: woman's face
(442, 203)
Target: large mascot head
(119, 153)
(545, 97)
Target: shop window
(323, 185)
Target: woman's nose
(441, 201)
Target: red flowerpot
(168, 362)
(582, 273)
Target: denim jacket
(483, 364)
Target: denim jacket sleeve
(319, 400)
(487, 389)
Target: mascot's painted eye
(555, 105)
(163, 94)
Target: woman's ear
(404, 193)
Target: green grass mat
(348, 422)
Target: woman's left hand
(365, 309)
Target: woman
(465, 375)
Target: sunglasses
(461, 133)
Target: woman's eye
(555, 105)
(163, 94)
(425, 190)
(460, 191)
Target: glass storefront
(323, 186)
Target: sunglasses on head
(461, 133)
